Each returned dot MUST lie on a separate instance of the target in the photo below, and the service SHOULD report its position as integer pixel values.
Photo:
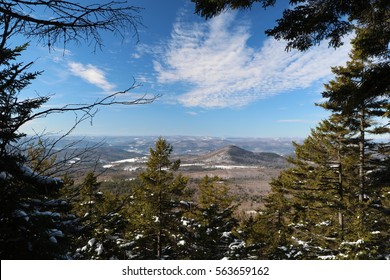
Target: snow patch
(100, 249)
(131, 168)
(5, 175)
(237, 245)
(324, 223)
(27, 171)
(21, 214)
(74, 160)
(329, 257)
(131, 160)
(300, 242)
(228, 167)
(139, 236)
(91, 242)
(53, 240)
(55, 233)
(353, 243)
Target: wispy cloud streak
(215, 59)
(91, 74)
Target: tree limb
(67, 21)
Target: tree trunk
(159, 216)
(362, 156)
(341, 191)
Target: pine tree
(102, 224)
(336, 190)
(306, 23)
(267, 234)
(33, 217)
(214, 191)
(360, 92)
(89, 194)
(318, 189)
(214, 224)
(160, 231)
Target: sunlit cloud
(222, 70)
(91, 74)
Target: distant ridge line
(234, 155)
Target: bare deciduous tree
(53, 21)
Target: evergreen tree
(34, 219)
(361, 92)
(214, 224)
(267, 234)
(336, 191)
(32, 215)
(101, 230)
(89, 196)
(318, 190)
(160, 231)
(307, 23)
(214, 191)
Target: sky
(221, 77)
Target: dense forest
(333, 202)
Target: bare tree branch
(54, 22)
(88, 109)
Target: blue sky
(222, 77)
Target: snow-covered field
(119, 163)
(140, 161)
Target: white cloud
(91, 74)
(59, 55)
(215, 59)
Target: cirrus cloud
(222, 70)
(91, 74)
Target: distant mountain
(233, 155)
(104, 154)
(197, 151)
(109, 154)
(184, 145)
